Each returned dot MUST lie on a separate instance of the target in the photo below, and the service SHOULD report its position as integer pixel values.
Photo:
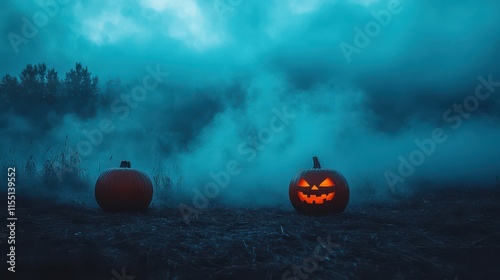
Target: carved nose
(314, 188)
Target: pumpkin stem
(125, 164)
(316, 163)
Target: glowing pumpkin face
(316, 194)
(319, 191)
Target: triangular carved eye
(327, 183)
(303, 183)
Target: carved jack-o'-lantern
(319, 191)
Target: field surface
(440, 235)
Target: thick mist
(262, 87)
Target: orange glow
(327, 183)
(315, 199)
(303, 183)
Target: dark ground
(447, 234)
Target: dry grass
(439, 235)
(59, 171)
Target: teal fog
(396, 95)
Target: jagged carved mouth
(315, 199)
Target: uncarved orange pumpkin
(319, 191)
(123, 189)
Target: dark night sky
(229, 71)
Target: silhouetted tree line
(40, 94)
